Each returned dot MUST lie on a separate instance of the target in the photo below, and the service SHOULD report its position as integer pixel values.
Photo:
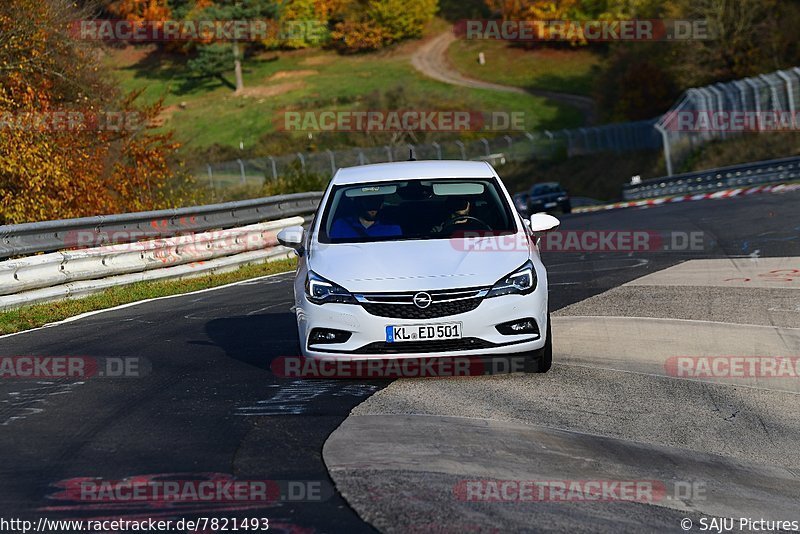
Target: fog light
(324, 336)
(520, 326)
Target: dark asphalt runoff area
(208, 405)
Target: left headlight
(520, 282)
(321, 291)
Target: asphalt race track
(208, 404)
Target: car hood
(419, 265)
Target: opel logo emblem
(422, 299)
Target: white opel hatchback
(421, 259)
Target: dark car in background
(548, 196)
(521, 202)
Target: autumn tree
(140, 9)
(211, 56)
(533, 9)
(372, 24)
(748, 37)
(51, 167)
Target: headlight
(321, 291)
(520, 282)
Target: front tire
(541, 360)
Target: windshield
(414, 209)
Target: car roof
(402, 170)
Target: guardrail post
(486, 144)
(210, 177)
(274, 167)
(361, 160)
(789, 90)
(510, 142)
(241, 169)
(333, 161)
(570, 144)
(756, 99)
(776, 101)
(720, 105)
(742, 88)
(389, 152)
(438, 149)
(302, 161)
(463, 150)
(667, 155)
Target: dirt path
(431, 60)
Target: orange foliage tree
(140, 9)
(534, 9)
(60, 154)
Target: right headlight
(321, 291)
(520, 282)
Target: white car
(421, 259)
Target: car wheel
(540, 361)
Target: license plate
(550, 205)
(423, 332)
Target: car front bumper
(368, 332)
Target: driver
(365, 223)
(458, 208)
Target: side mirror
(542, 222)
(292, 237)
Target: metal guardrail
(743, 175)
(76, 273)
(49, 236)
(45, 270)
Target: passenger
(366, 222)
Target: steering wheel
(460, 221)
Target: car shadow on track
(266, 341)
(290, 418)
(256, 339)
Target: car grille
(443, 303)
(444, 345)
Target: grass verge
(567, 71)
(204, 112)
(29, 317)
